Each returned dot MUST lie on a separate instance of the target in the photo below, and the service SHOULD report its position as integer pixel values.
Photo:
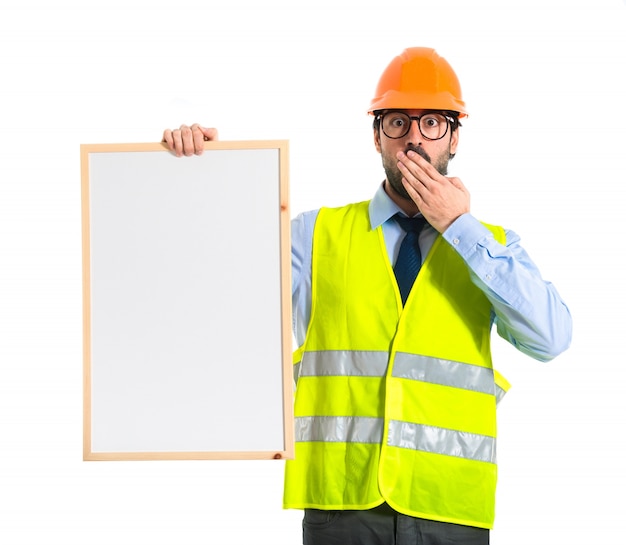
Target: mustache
(420, 151)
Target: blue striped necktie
(409, 257)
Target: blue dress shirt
(527, 310)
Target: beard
(394, 176)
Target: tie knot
(410, 225)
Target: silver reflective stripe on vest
(444, 372)
(369, 363)
(353, 429)
(339, 429)
(344, 363)
(500, 393)
(471, 446)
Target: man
(396, 393)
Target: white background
(542, 153)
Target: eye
(397, 121)
(431, 121)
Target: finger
(177, 142)
(414, 175)
(456, 182)
(416, 167)
(426, 170)
(198, 139)
(168, 139)
(209, 134)
(187, 144)
(413, 192)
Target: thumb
(210, 134)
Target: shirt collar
(382, 208)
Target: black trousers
(384, 526)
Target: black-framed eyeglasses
(432, 125)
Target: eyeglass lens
(433, 126)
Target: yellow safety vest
(394, 404)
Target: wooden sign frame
(187, 302)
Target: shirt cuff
(465, 233)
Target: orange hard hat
(419, 78)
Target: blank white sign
(186, 294)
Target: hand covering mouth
(419, 150)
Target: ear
(454, 141)
(377, 140)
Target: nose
(414, 135)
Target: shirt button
(455, 241)
(488, 277)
